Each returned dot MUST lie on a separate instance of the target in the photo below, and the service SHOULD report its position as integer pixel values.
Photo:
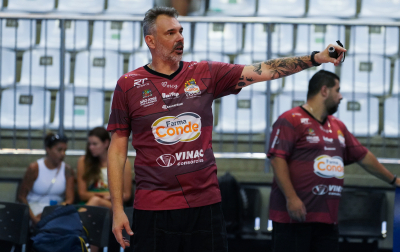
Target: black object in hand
(333, 53)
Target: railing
(77, 69)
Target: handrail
(205, 19)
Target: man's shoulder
(336, 121)
(128, 80)
(294, 116)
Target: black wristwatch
(394, 180)
(314, 63)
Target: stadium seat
(360, 114)
(78, 6)
(396, 78)
(218, 37)
(363, 74)
(299, 81)
(9, 190)
(284, 8)
(7, 73)
(286, 101)
(26, 33)
(14, 218)
(132, 7)
(232, 7)
(76, 34)
(337, 8)
(243, 113)
(139, 59)
(30, 5)
(26, 107)
(206, 57)
(251, 58)
(41, 68)
(374, 39)
(252, 211)
(119, 36)
(83, 109)
(317, 37)
(379, 8)
(391, 117)
(257, 34)
(98, 69)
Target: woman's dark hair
(320, 79)
(52, 139)
(151, 16)
(92, 163)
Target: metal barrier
(64, 66)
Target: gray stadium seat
(396, 78)
(391, 115)
(243, 113)
(362, 74)
(98, 69)
(83, 109)
(31, 5)
(232, 8)
(41, 68)
(206, 57)
(284, 8)
(7, 73)
(355, 114)
(119, 36)
(248, 59)
(31, 106)
(379, 8)
(337, 8)
(119, 7)
(374, 39)
(218, 37)
(286, 101)
(26, 33)
(78, 6)
(76, 34)
(139, 59)
(317, 37)
(256, 38)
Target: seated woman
(92, 171)
(48, 181)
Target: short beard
(331, 107)
(167, 55)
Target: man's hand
(323, 57)
(120, 222)
(296, 209)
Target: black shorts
(197, 229)
(305, 237)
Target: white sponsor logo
(329, 148)
(275, 139)
(325, 130)
(305, 121)
(335, 190)
(330, 190)
(139, 82)
(327, 139)
(185, 127)
(166, 85)
(329, 167)
(171, 95)
(171, 106)
(181, 158)
(320, 189)
(312, 139)
(192, 90)
(148, 102)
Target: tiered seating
(232, 8)
(283, 8)
(337, 8)
(31, 5)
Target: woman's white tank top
(40, 195)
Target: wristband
(394, 180)
(314, 63)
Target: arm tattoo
(286, 66)
(249, 79)
(241, 84)
(257, 68)
(241, 78)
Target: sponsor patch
(329, 148)
(312, 139)
(172, 106)
(181, 158)
(335, 190)
(185, 127)
(296, 114)
(305, 121)
(166, 160)
(138, 83)
(275, 139)
(191, 89)
(320, 189)
(148, 102)
(329, 167)
(341, 138)
(327, 139)
(171, 95)
(147, 93)
(311, 132)
(166, 85)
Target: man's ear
(324, 91)
(149, 39)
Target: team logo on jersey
(191, 89)
(171, 95)
(169, 130)
(183, 158)
(341, 138)
(166, 160)
(329, 167)
(320, 189)
(311, 132)
(166, 85)
(330, 190)
(140, 82)
(147, 93)
(148, 101)
(305, 121)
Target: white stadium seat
(133, 7)
(76, 34)
(25, 107)
(337, 8)
(380, 8)
(205, 57)
(26, 33)
(286, 101)
(41, 68)
(78, 6)
(139, 59)
(232, 8)
(83, 109)
(7, 68)
(31, 5)
(98, 69)
(284, 8)
(391, 117)
(396, 78)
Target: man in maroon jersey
(166, 104)
(309, 149)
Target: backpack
(60, 231)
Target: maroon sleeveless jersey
(171, 120)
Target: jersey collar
(322, 123)
(169, 77)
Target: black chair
(14, 223)
(252, 211)
(361, 215)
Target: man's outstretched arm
(281, 67)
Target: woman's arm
(70, 185)
(84, 194)
(29, 179)
(127, 193)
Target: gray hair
(151, 16)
